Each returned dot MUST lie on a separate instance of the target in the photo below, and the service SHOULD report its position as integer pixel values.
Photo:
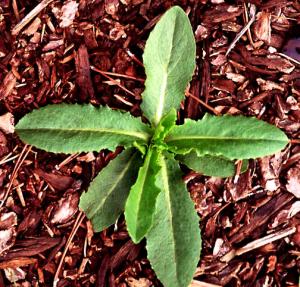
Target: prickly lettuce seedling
(145, 179)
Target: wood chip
(83, 76)
(262, 27)
(7, 123)
(42, 5)
(8, 85)
(68, 10)
(293, 181)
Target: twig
(289, 58)
(15, 172)
(15, 8)
(66, 161)
(8, 158)
(123, 101)
(33, 13)
(43, 32)
(112, 80)
(20, 194)
(134, 58)
(244, 30)
(118, 75)
(203, 103)
(77, 223)
(196, 283)
(258, 243)
(248, 30)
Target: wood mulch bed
(83, 51)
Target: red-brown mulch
(250, 224)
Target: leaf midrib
(172, 139)
(144, 136)
(162, 96)
(164, 84)
(169, 209)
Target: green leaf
(74, 128)
(234, 137)
(173, 242)
(140, 204)
(211, 165)
(164, 127)
(105, 199)
(169, 60)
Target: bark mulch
(83, 51)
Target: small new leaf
(169, 60)
(164, 127)
(173, 243)
(73, 128)
(105, 199)
(140, 204)
(233, 137)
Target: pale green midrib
(163, 89)
(167, 193)
(117, 181)
(172, 139)
(162, 95)
(144, 136)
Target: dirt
(91, 52)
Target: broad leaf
(173, 242)
(74, 128)
(140, 205)
(169, 60)
(105, 199)
(234, 137)
(211, 165)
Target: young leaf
(164, 126)
(211, 165)
(173, 242)
(169, 60)
(234, 137)
(140, 204)
(74, 128)
(105, 199)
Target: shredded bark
(91, 52)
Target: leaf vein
(144, 136)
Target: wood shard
(83, 76)
(259, 243)
(16, 30)
(18, 262)
(8, 85)
(69, 11)
(30, 247)
(33, 27)
(293, 181)
(57, 181)
(262, 27)
(261, 216)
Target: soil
(91, 52)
